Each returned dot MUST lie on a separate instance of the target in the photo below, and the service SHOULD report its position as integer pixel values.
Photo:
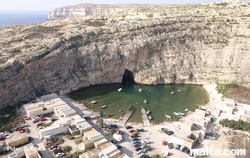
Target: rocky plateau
(158, 44)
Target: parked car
(40, 127)
(56, 151)
(118, 146)
(144, 156)
(164, 153)
(2, 137)
(60, 154)
(21, 130)
(114, 141)
(128, 127)
(170, 145)
(138, 152)
(134, 135)
(146, 141)
(182, 148)
(210, 137)
(137, 148)
(52, 147)
(140, 130)
(135, 139)
(43, 119)
(36, 120)
(39, 123)
(177, 147)
(23, 125)
(137, 144)
(169, 132)
(131, 131)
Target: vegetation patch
(223, 88)
(238, 125)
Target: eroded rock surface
(158, 44)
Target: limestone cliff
(158, 44)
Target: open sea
(9, 18)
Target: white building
(53, 130)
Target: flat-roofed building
(36, 111)
(90, 154)
(50, 104)
(100, 142)
(114, 154)
(53, 130)
(109, 149)
(67, 112)
(90, 143)
(1, 147)
(57, 109)
(83, 126)
(31, 153)
(17, 139)
(245, 118)
(90, 134)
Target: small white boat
(104, 106)
(145, 101)
(93, 102)
(120, 110)
(181, 114)
(140, 89)
(176, 113)
(120, 89)
(147, 112)
(172, 93)
(186, 110)
(167, 116)
(150, 117)
(179, 90)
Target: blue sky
(48, 5)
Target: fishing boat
(176, 113)
(145, 101)
(179, 90)
(167, 116)
(103, 107)
(93, 102)
(186, 110)
(147, 112)
(150, 117)
(181, 114)
(172, 93)
(120, 110)
(140, 89)
(120, 89)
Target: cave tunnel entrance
(128, 78)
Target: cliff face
(161, 44)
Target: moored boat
(186, 110)
(145, 101)
(181, 114)
(167, 116)
(172, 93)
(176, 113)
(147, 112)
(179, 90)
(140, 89)
(93, 102)
(120, 89)
(103, 107)
(150, 117)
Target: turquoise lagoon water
(160, 101)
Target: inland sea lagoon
(161, 99)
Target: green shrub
(238, 125)
(66, 149)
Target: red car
(52, 147)
(2, 137)
(137, 148)
(43, 119)
(131, 131)
(36, 120)
(21, 130)
(128, 127)
(39, 123)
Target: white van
(48, 137)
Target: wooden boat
(176, 113)
(140, 89)
(145, 101)
(179, 90)
(186, 110)
(167, 116)
(172, 93)
(147, 112)
(150, 117)
(120, 89)
(103, 107)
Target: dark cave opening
(128, 78)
